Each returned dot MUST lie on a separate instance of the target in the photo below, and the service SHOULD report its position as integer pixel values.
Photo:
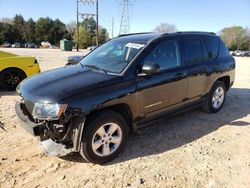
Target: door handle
(180, 75)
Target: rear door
(197, 66)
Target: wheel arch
(14, 68)
(122, 109)
(225, 80)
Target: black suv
(134, 79)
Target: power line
(125, 22)
(86, 15)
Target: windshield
(113, 56)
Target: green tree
(165, 28)
(1, 33)
(7, 33)
(51, 31)
(18, 28)
(236, 37)
(103, 35)
(46, 29)
(87, 33)
(85, 39)
(30, 31)
(58, 31)
(43, 28)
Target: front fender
(122, 93)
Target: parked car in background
(16, 45)
(53, 47)
(238, 53)
(30, 45)
(72, 60)
(246, 53)
(14, 69)
(90, 48)
(128, 82)
(232, 53)
(6, 45)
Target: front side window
(166, 54)
(193, 51)
(114, 56)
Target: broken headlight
(48, 111)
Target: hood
(62, 83)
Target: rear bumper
(26, 123)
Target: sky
(145, 15)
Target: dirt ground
(194, 149)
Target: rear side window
(193, 51)
(213, 44)
(223, 50)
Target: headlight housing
(48, 111)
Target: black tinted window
(223, 50)
(166, 54)
(213, 44)
(193, 51)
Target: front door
(165, 90)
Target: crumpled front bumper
(49, 146)
(26, 123)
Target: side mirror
(150, 68)
(72, 60)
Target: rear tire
(104, 137)
(10, 78)
(216, 98)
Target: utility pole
(87, 15)
(97, 24)
(77, 25)
(112, 27)
(125, 23)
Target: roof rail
(129, 34)
(191, 32)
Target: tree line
(235, 37)
(47, 29)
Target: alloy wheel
(218, 97)
(107, 139)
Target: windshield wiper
(96, 68)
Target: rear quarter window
(213, 45)
(224, 52)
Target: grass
(6, 54)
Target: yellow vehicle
(13, 69)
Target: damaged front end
(59, 135)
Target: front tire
(216, 98)
(104, 137)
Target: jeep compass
(91, 106)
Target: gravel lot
(194, 149)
